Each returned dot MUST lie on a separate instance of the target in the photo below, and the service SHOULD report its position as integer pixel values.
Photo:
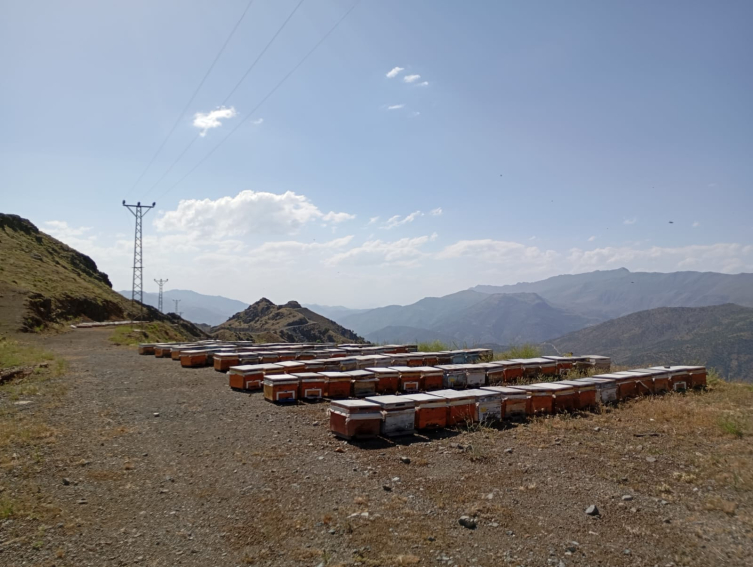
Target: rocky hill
(266, 322)
(45, 282)
(719, 336)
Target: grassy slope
(720, 337)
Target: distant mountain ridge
(196, 307)
(719, 336)
(264, 321)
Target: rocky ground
(129, 459)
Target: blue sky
(550, 137)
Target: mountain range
(719, 336)
(195, 307)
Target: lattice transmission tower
(137, 290)
(160, 283)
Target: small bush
(433, 346)
(731, 426)
(522, 351)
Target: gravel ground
(153, 464)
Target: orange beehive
(363, 383)
(268, 357)
(585, 393)
(194, 358)
(281, 388)
(162, 351)
(250, 376)
(431, 378)
(606, 389)
(336, 384)
(388, 380)
(644, 381)
(516, 403)
(697, 376)
(513, 370)
(431, 411)
(679, 377)
(311, 385)
(564, 363)
(542, 399)
(315, 365)
(355, 419)
(223, 361)
(286, 355)
(146, 348)
(659, 379)
(461, 406)
(292, 366)
(495, 373)
(627, 384)
(410, 379)
(430, 359)
(488, 405)
(373, 361)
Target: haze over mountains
(196, 307)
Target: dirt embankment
(138, 461)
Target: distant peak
(293, 305)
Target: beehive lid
(577, 384)
(388, 402)
(383, 371)
(227, 355)
(453, 394)
(335, 375)
(290, 364)
(423, 398)
(429, 370)
(308, 375)
(360, 374)
(639, 373)
(253, 367)
(547, 387)
(673, 369)
(482, 393)
(610, 375)
(505, 390)
(404, 368)
(356, 406)
(451, 367)
(281, 379)
(597, 358)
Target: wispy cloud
(257, 121)
(372, 220)
(396, 107)
(423, 84)
(208, 120)
(696, 224)
(395, 72)
(415, 113)
(630, 221)
(436, 212)
(397, 220)
(411, 78)
(405, 252)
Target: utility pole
(160, 283)
(137, 291)
(176, 305)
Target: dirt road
(153, 464)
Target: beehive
(355, 419)
(542, 399)
(410, 379)
(516, 403)
(162, 351)
(488, 405)
(373, 361)
(606, 387)
(315, 365)
(362, 383)
(268, 357)
(281, 388)
(250, 376)
(475, 375)
(336, 384)
(292, 366)
(311, 385)
(461, 406)
(146, 348)
(398, 415)
(286, 355)
(223, 361)
(563, 363)
(388, 380)
(194, 358)
(698, 376)
(598, 363)
(679, 377)
(430, 359)
(644, 383)
(346, 364)
(495, 373)
(626, 386)
(431, 378)
(585, 393)
(453, 375)
(431, 411)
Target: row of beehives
(225, 355)
(391, 415)
(294, 380)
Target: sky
(421, 148)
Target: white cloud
(257, 121)
(499, 252)
(436, 212)
(61, 230)
(396, 107)
(405, 252)
(630, 221)
(395, 72)
(208, 120)
(696, 224)
(415, 113)
(591, 239)
(397, 220)
(411, 78)
(423, 84)
(249, 212)
(372, 220)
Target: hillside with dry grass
(266, 322)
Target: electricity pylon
(160, 283)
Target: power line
(238, 84)
(269, 94)
(193, 96)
